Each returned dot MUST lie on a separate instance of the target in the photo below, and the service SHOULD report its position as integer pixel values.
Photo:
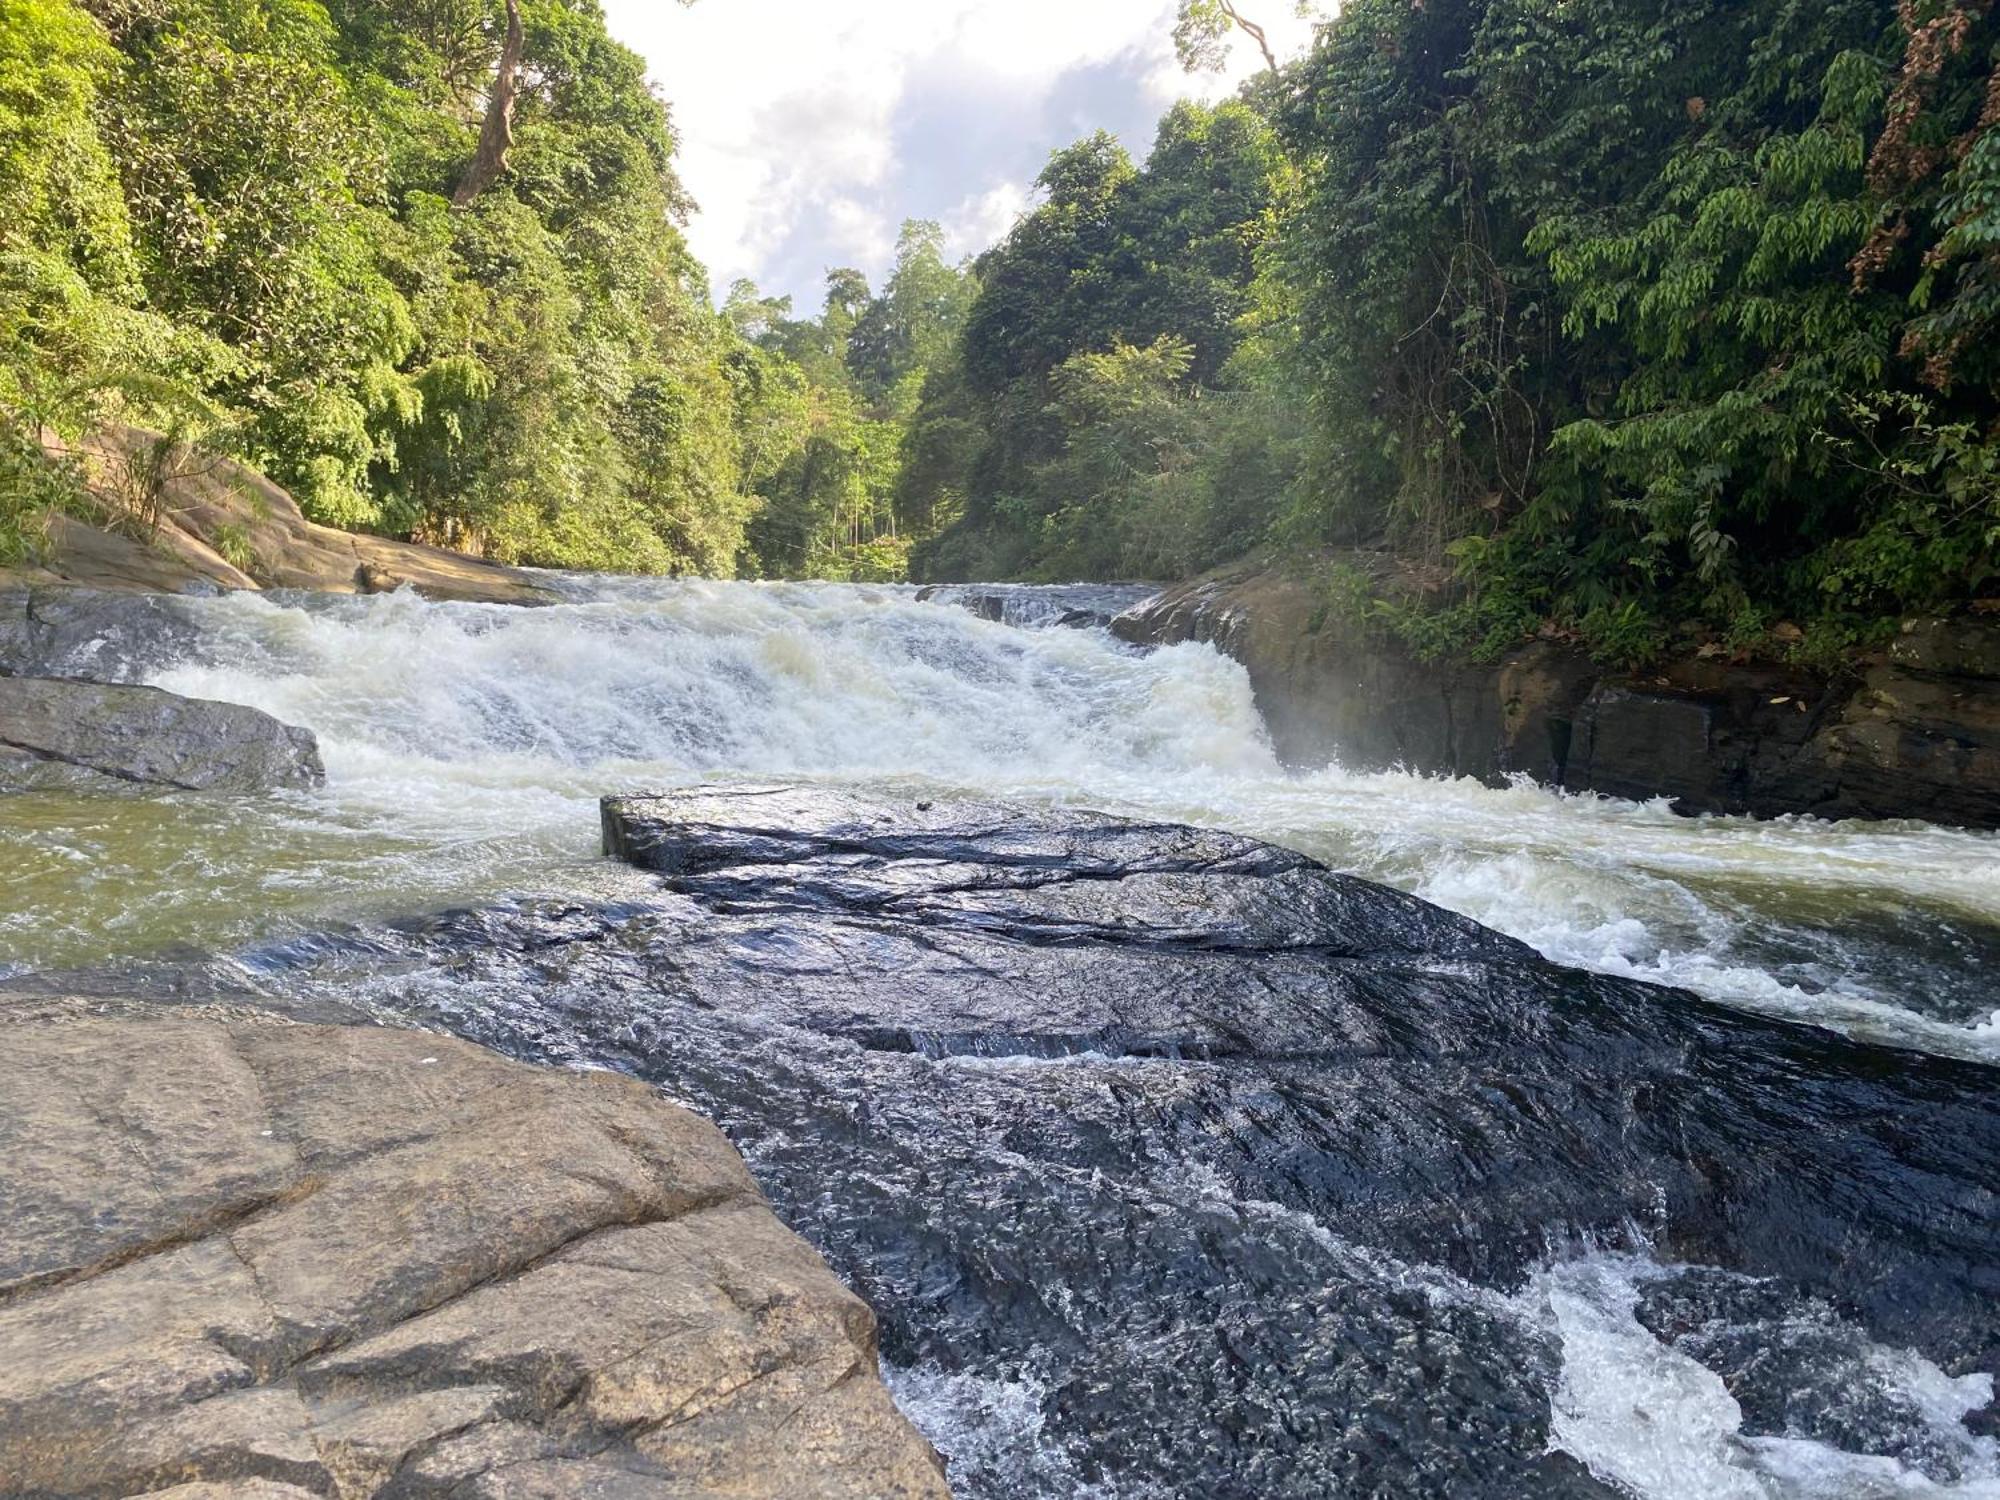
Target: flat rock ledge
(60, 734)
(246, 1258)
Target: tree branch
(1252, 30)
(496, 135)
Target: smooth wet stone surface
(104, 635)
(1176, 1164)
(247, 1258)
(56, 733)
(1479, 1095)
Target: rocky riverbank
(194, 520)
(73, 719)
(247, 1258)
(1911, 733)
(1212, 1170)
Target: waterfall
(1035, 1229)
(467, 744)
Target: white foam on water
(993, 1435)
(467, 744)
(1659, 1425)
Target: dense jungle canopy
(1635, 320)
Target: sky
(810, 129)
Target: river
(466, 748)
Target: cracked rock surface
(246, 1258)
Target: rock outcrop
(245, 1258)
(103, 635)
(1175, 1163)
(992, 928)
(62, 734)
(1915, 735)
(1071, 606)
(206, 505)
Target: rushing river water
(467, 746)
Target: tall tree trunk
(496, 135)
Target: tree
(1115, 256)
(496, 134)
(905, 332)
(1201, 35)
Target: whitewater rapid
(466, 746)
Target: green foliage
(1643, 325)
(34, 489)
(1626, 311)
(833, 411)
(59, 190)
(1096, 419)
(1639, 323)
(1934, 533)
(232, 543)
(233, 220)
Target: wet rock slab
(243, 1257)
(102, 635)
(1174, 1164)
(1439, 1087)
(58, 734)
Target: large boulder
(965, 926)
(246, 1258)
(105, 635)
(1174, 1163)
(56, 733)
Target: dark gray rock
(1331, 693)
(1915, 735)
(58, 733)
(990, 928)
(104, 635)
(1040, 606)
(1222, 1173)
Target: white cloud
(811, 128)
(981, 219)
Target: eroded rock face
(1917, 736)
(88, 736)
(241, 1257)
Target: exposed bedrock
(1196, 1169)
(1434, 1085)
(203, 505)
(1912, 733)
(59, 734)
(245, 1258)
